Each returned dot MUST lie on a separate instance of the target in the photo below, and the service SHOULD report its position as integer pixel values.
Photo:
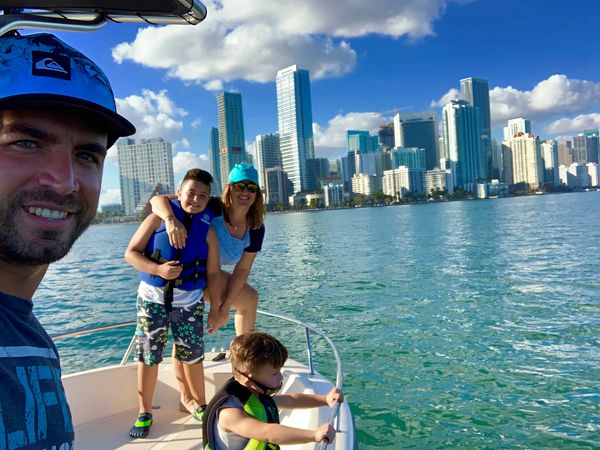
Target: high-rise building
(526, 156)
(579, 149)
(145, 166)
(231, 132)
(418, 130)
(476, 92)
(462, 138)
(565, 153)
(361, 142)
(333, 194)
(549, 151)
(386, 136)
(413, 158)
(268, 154)
(214, 158)
(439, 179)
(276, 186)
(294, 113)
(592, 145)
(515, 126)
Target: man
(57, 120)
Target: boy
(243, 414)
(171, 293)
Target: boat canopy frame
(91, 15)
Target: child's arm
(134, 254)
(237, 421)
(175, 229)
(213, 278)
(298, 400)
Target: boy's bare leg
(194, 377)
(147, 376)
(186, 400)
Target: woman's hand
(176, 232)
(334, 396)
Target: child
(170, 293)
(243, 414)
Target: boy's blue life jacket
(193, 256)
(260, 406)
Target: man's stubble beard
(48, 245)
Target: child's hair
(254, 349)
(256, 213)
(198, 175)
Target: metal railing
(339, 376)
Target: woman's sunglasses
(241, 187)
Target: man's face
(50, 177)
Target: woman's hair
(254, 349)
(198, 175)
(256, 213)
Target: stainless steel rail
(339, 376)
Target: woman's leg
(245, 305)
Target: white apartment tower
(143, 165)
(526, 157)
(268, 155)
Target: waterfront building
(321, 166)
(361, 142)
(565, 153)
(579, 149)
(145, 166)
(371, 163)
(333, 194)
(366, 184)
(593, 171)
(592, 145)
(526, 157)
(439, 179)
(294, 113)
(232, 144)
(549, 151)
(413, 158)
(335, 168)
(398, 182)
(516, 126)
(268, 155)
(214, 160)
(497, 162)
(575, 175)
(463, 143)
(115, 208)
(386, 136)
(314, 200)
(276, 186)
(476, 93)
(418, 130)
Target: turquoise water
(461, 325)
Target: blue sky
(368, 60)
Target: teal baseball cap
(243, 172)
(41, 70)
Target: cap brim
(116, 126)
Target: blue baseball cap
(243, 172)
(41, 70)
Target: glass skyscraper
(418, 130)
(231, 132)
(294, 112)
(476, 92)
(462, 137)
(214, 158)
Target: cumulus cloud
(331, 140)
(183, 161)
(252, 40)
(154, 114)
(575, 124)
(109, 196)
(445, 99)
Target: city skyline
(537, 56)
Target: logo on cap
(51, 65)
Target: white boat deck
(104, 406)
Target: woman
(240, 229)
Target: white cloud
(331, 140)
(184, 161)
(252, 40)
(108, 196)
(446, 98)
(196, 123)
(574, 125)
(153, 114)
